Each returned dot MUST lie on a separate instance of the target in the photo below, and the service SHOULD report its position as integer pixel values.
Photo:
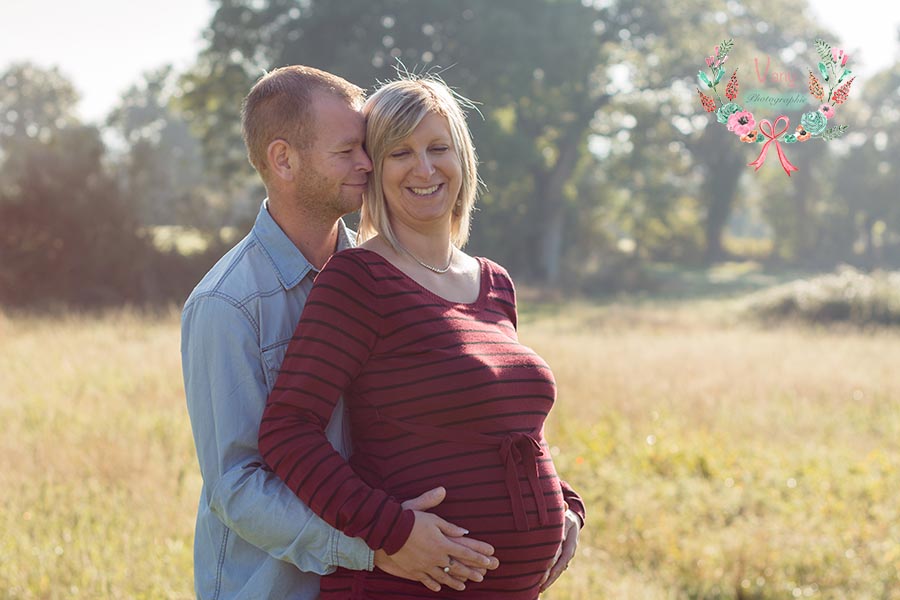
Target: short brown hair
(392, 114)
(279, 106)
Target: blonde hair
(280, 106)
(392, 114)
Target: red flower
(708, 103)
(840, 95)
(815, 88)
(731, 90)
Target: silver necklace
(437, 270)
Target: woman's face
(422, 176)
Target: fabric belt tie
(522, 448)
(514, 448)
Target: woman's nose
(424, 166)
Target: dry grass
(718, 460)
(98, 480)
(725, 461)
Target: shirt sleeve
(226, 392)
(573, 500)
(506, 294)
(336, 334)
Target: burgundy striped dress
(438, 393)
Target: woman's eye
(440, 148)
(399, 154)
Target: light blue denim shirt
(254, 538)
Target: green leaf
(824, 50)
(834, 133)
(725, 47)
(719, 74)
(704, 79)
(823, 71)
(844, 74)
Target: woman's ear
(281, 157)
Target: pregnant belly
(481, 500)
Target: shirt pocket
(273, 356)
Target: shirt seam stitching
(234, 302)
(221, 564)
(233, 265)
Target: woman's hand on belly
(566, 550)
(434, 544)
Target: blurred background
(600, 165)
(724, 340)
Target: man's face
(335, 167)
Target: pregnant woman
(420, 339)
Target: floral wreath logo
(813, 124)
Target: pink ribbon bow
(773, 137)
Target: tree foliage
(67, 232)
(34, 102)
(538, 67)
(596, 155)
(867, 177)
(162, 170)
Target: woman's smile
(425, 191)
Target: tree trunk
(869, 243)
(724, 167)
(550, 184)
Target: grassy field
(718, 459)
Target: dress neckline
(482, 281)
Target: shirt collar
(289, 263)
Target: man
(254, 538)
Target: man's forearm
(226, 392)
(257, 506)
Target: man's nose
(364, 163)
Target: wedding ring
(447, 569)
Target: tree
(163, 173)
(65, 233)
(867, 177)
(539, 68)
(779, 35)
(654, 210)
(35, 102)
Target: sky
(104, 46)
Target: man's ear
(282, 159)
